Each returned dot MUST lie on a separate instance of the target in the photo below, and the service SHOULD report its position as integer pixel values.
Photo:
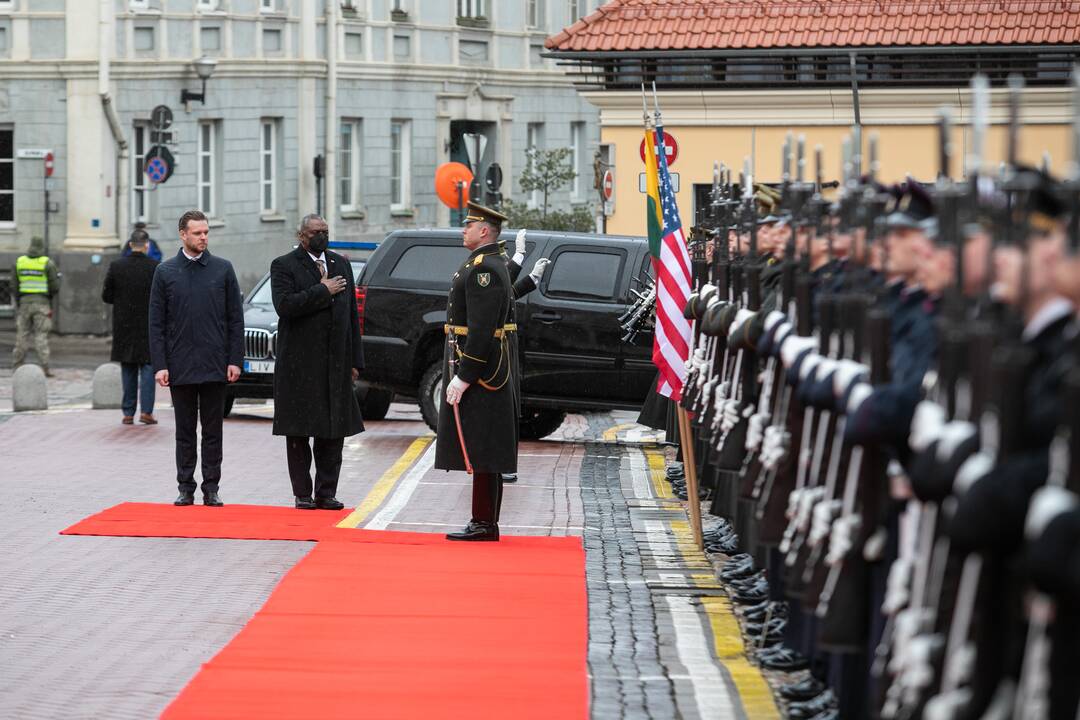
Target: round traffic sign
(607, 189)
(161, 117)
(158, 164)
(671, 149)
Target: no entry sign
(608, 187)
(671, 149)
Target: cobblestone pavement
(115, 627)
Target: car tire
(374, 403)
(229, 399)
(537, 423)
(429, 392)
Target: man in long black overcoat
(127, 289)
(319, 356)
(480, 372)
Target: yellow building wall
(902, 150)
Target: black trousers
(327, 465)
(486, 497)
(193, 404)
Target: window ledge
(271, 218)
(8, 229)
(216, 222)
(353, 215)
(402, 212)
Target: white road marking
(404, 490)
(711, 692)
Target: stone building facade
(383, 90)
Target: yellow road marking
(655, 457)
(754, 692)
(611, 434)
(386, 483)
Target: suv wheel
(229, 399)
(536, 423)
(429, 392)
(374, 403)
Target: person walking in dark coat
(319, 357)
(479, 410)
(196, 346)
(127, 289)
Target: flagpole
(686, 437)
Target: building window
(7, 177)
(207, 5)
(139, 4)
(271, 41)
(470, 8)
(210, 39)
(144, 39)
(535, 58)
(267, 5)
(577, 151)
(534, 140)
(206, 180)
(268, 170)
(400, 164)
(534, 14)
(402, 47)
(575, 10)
(354, 46)
(349, 166)
(473, 51)
(142, 199)
(3, 40)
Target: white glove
(1047, 503)
(455, 390)
(538, 269)
(519, 246)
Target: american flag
(671, 265)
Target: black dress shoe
(212, 499)
(304, 503)
(184, 498)
(329, 504)
(508, 477)
(783, 658)
(804, 690)
(752, 595)
(810, 708)
(774, 609)
(830, 714)
(479, 531)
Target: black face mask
(318, 242)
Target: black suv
(572, 353)
(260, 346)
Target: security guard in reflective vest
(478, 428)
(36, 282)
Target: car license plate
(259, 366)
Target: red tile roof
(627, 25)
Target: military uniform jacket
(479, 352)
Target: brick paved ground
(114, 627)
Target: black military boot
(185, 498)
(212, 499)
(475, 530)
(304, 503)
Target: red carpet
(408, 625)
(239, 522)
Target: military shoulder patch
(483, 279)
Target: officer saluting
(478, 428)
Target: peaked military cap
(479, 213)
(1042, 202)
(910, 209)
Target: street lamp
(204, 68)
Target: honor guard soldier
(478, 418)
(36, 283)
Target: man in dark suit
(319, 356)
(127, 289)
(478, 417)
(196, 345)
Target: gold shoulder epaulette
(479, 259)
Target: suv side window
(585, 274)
(429, 263)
